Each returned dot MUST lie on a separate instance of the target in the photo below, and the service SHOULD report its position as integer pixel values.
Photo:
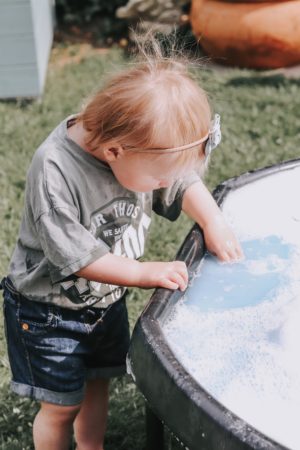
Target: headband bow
(214, 135)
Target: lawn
(261, 126)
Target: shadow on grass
(262, 80)
(126, 430)
(16, 417)
(126, 422)
(18, 102)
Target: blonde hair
(153, 104)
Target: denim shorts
(53, 351)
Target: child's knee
(59, 413)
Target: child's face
(141, 173)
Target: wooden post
(26, 32)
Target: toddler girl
(136, 147)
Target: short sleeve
(167, 202)
(68, 246)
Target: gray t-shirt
(75, 212)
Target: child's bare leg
(90, 423)
(52, 426)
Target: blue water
(226, 286)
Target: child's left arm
(200, 206)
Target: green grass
(261, 126)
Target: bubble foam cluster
(245, 351)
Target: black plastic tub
(191, 413)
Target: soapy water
(236, 330)
(226, 286)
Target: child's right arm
(123, 271)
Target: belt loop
(105, 311)
(7, 284)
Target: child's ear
(113, 152)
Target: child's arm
(122, 271)
(200, 206)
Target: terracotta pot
(255, 1)
(257, 35)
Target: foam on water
(237, 329)
(267, 206)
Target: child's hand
(221, 241)
(169, 275)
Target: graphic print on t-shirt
(122, 225)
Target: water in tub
(237, 330)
